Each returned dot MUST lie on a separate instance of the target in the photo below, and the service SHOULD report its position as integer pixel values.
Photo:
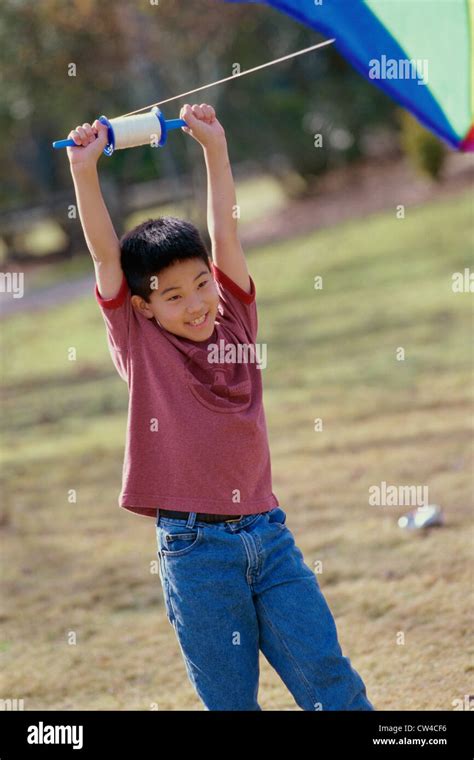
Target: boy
(197, 456)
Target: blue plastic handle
(175, 123)
(63, 143)
(170, 124)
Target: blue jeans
(232, 589)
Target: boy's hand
(90, 142)
(202, 124)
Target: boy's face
(184, 292)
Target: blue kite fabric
(418, 51)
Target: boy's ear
(140, 305)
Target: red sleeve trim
(116, 301)
(235, 289)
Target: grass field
(83, 569)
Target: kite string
(233, 76)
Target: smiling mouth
(199, 322)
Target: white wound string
(133, 131)
(233, 76)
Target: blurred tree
(424, 150)
(43, 96)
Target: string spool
(133, 131)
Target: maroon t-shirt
(196, 432)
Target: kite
(418, 52)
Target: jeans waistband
(191, 518)
(202, 516)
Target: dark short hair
(154, 245)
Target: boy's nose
(195, 309)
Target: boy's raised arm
(227, 251)
(99, 232)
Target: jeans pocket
(165, 589)
(277, 516)
(176, 541)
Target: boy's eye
(201, 283)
